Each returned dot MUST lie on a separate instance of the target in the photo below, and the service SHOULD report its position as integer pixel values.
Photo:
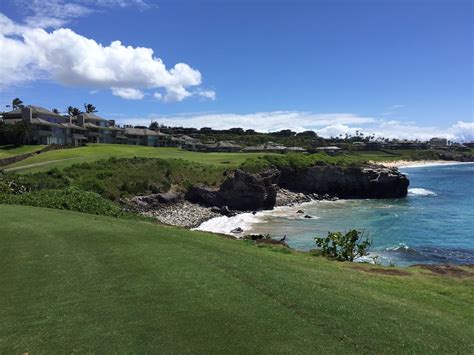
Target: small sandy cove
(414, 163)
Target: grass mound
(70, 198)
(72, 282)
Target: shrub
(72, 199)
(343, 247)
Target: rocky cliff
(240, 191)
(243, 191)
(373, 181)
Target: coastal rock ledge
(249, 192)
(371, 181)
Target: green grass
(10, 151)
(121, 177)
(93, 152)
(72, 282)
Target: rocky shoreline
(177, 211)
(246, 192)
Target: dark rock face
(242, 191)
(352, 182)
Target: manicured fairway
(93, 152)
(73, 282)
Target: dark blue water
(434, 224)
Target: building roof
(296, 149)
(225, 144)
(270, 146)
(91, 125)
(36, 110)
(39, 121)
(329, 148)
(142, 132)
(222, 144)
(90, 116)
(185, 138)
(73, 126)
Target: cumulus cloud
(74, 60)
(325, 125)
(462, 131)
(128, 93)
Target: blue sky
(392, 67)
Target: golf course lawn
(11, 151)
(73, 282)
(93, 152)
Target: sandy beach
(416, 163)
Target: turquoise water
(434, 224)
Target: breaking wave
(246, 221)
(418, 191)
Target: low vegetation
(73, 282)
(343, 247)
(70, 198)
(119, 177)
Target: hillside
(93, 152)
(75, 282)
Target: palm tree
(73, 111)
(90, 108)
(17, 104)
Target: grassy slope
(94, 152)
(77, 282)
(10, 151)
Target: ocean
(433, 224)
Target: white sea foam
(246, 221)
(431, 164)
(225, 225)
(418, 191)
(399, 246)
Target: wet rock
(225, 211)
(237, 230)
(256, 237)
(307, 216)
(215, 209)
(300, 211)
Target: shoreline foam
(418, 163)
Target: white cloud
(128, 93)
(57, 13)
(74, 60)
(206, 94)
(263, 121)
(326, 125)
(462, 131)
(176, 93)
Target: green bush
(343, 247)
(72, 199)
